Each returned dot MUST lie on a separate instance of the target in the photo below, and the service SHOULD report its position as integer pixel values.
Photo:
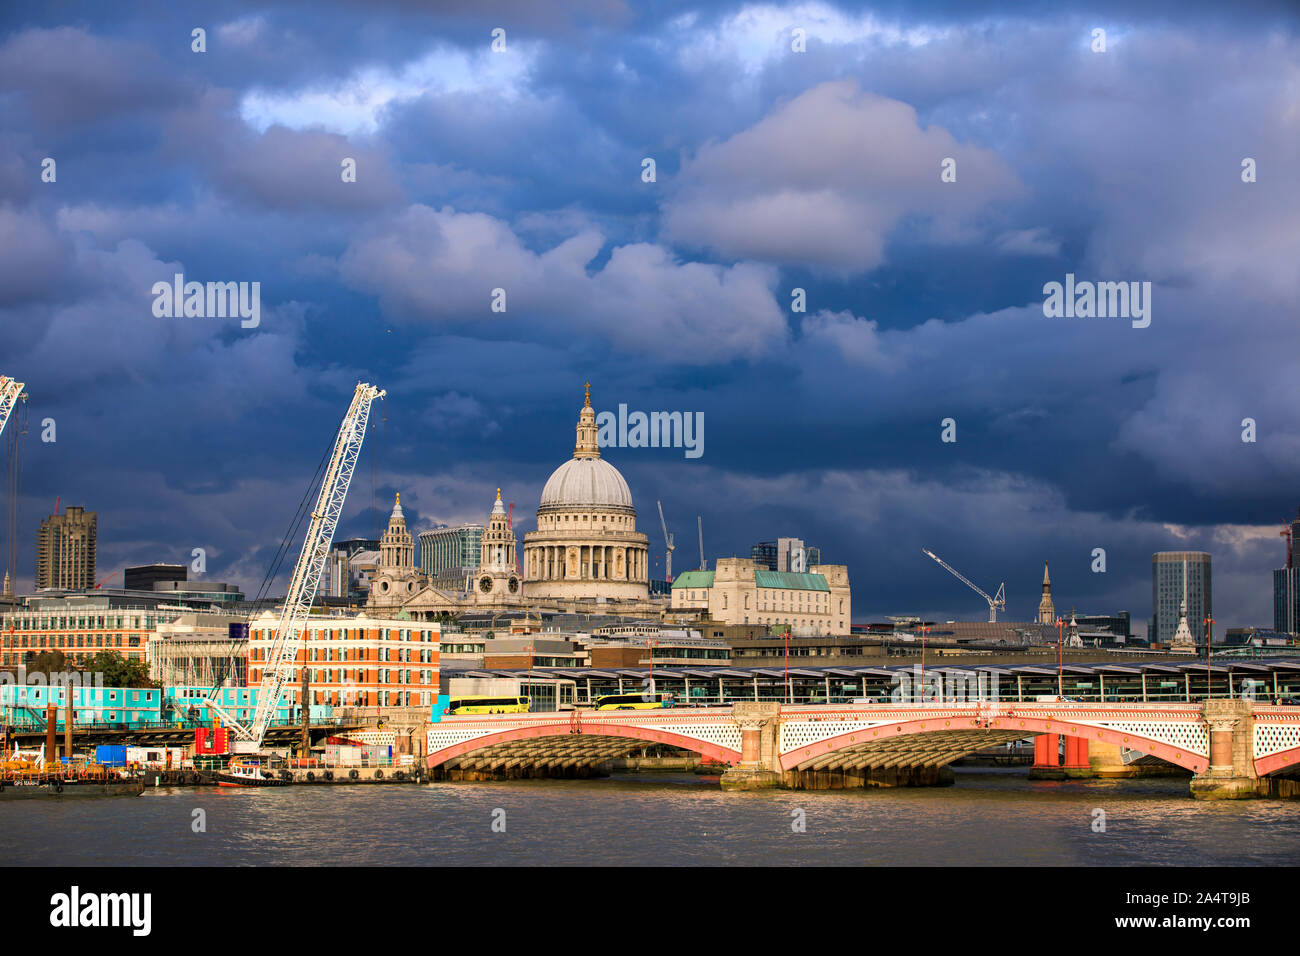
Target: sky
(795, 146)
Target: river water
(989, 817)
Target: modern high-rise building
(763, 555)
(451, 554)
(1286, 584)
(340, 579)
(65, 550)
(785, 554)
(143, 578)
(1171, 571)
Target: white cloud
(356, 103)
(443, 265)
(823, 180)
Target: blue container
(440, 705)
(111, 755)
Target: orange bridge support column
(1076, 757)
(1047, 758)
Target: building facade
(341, 579)
(357, 661)
(142, 578)
(586, 544)
(739, 592)
(450, 554)
(1171, 572)
(82, 625)
(763, 555)
(66, 550)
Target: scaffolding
(182, 661)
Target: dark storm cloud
(776, 170)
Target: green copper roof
(694, 579)
(791, 580)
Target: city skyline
(522, 170)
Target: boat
(21, 780)
(249, 772)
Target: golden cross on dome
(587, 402)
(498, 494)
(399, 498)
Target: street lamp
(529, 648)
(1209, 643)
(1060, 657)
(785, 641)
(925, 629)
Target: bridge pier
(1076, 764)
(1047, 758)
(928, 776)
(1048, 764)
(760, 758)
(1231, 775)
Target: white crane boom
(668, 544)
(699, 520)
(996, 604)
(10, 392)
(282, 655)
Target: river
(989, 817)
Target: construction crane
(668, 544)
(510, 523)
(10, 393)
(699, 521)
(105, 581)
(282, 655)
(996, 604)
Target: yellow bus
(633, 701)
(482, 704)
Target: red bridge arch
(1032, 727)
(566, 730)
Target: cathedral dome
(584, 484)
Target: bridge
(1231, 746)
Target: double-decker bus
(481, 704)
(633, 701)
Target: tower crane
(10, 392)
(996, 604)
(282, 655)
(668, 544)
(699, 520)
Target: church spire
(1046, 608)
(587, 445)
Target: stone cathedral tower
(497, 580)
(1046, 610)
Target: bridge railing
(32, 726)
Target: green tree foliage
(118, 671)
(47, 663)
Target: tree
(118, 671)
(48, 663)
